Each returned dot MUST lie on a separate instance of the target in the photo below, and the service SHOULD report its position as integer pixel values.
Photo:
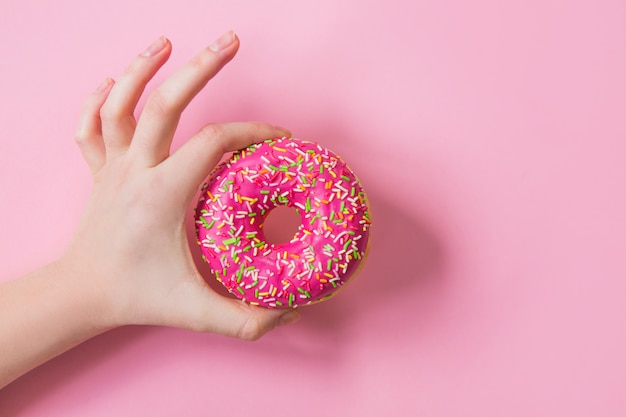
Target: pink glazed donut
(329, 245)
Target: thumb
(208, 311)
(195, 159)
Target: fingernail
(156, 47)
(223, 41)
(104, 85)
(288, 318)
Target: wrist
(54, 306)
(88, 297)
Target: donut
(326, 251)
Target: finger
(117, 113)
(89, 132)
(193, 161)
(204, 310)
(247, 322)
(161, 114)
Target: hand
(130, 255)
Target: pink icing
(323, 254)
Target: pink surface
(490, 138)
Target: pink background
(491, 138)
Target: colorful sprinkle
(249, 186)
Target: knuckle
(132, 69)
(213, 135)
(158, 104)
(81, 137)
(211, 132)
(110, 112)
(250, 330)
(257, 126)
(201, 59)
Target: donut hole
(281, 225)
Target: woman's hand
(130, 252)
(129, 261)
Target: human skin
(129, 261)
